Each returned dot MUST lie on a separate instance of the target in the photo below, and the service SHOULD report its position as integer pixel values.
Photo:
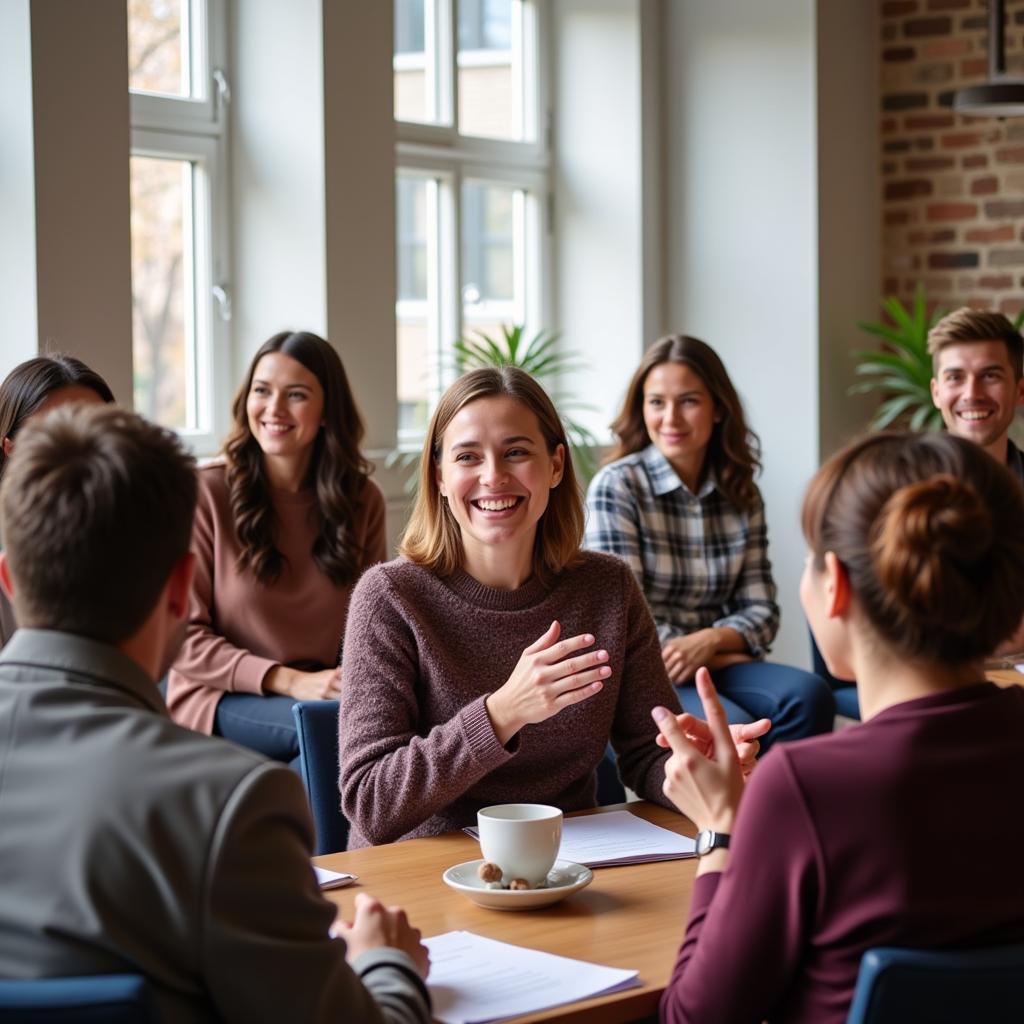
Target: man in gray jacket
(128, 844)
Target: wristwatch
(708, 841)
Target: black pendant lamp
(999, 96)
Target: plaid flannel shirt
(699, 560)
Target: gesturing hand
(744, 737)
(375, 925)
(704, 783)
(546, 679)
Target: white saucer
(565, 878)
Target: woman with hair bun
(677, 501)
(850, 841)
(33, 388)
(285, 524)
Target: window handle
(223, 89)
(220, 293)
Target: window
(472, 184)
(180, 300)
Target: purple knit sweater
(418, 753)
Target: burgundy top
(418, 752)
(238, 628)
(903, 831)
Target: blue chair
(99, 999)
(609, 788)
(845, 693)
(940, 986)
(317, 724)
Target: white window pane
(415, 61)
(490, 247)
(158, 47)
(416, 312)
(490, 63)
(163, 314)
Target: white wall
(741, 213)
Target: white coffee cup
(522, 839)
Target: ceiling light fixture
(999, 96)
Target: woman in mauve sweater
(901, 831)
(495, 659)
(284, 526)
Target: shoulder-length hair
(337, 470)
(734, 451)
(433, 539)
(30, 383)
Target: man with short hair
(127, 843)
(978, 380)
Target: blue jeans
(843, 690)
(260, 723)
(799, 703)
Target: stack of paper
(618, 837)
(332, 879)
(473, 979)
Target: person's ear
(5, 577)
(8, 447)
(1020, 391)
(557, 465)
(179, 586)
(837, 586)
(935, 393)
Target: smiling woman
(286, 522)
(493, 661)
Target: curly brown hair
(734, 451)
(337, 470)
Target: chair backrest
(609, 787)
(317, 725)
(940, 986)
(99, 999)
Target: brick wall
(952, 186)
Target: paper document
(1019, 666)
(473, 979)
(615, 838)
(332, 879)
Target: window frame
(196, 130)
(439, 152)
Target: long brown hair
(30, 383)
(433, 538)
(734, 451)
(930, 530)
(337, 470)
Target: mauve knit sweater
(422, 652)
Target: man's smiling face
(976, 390)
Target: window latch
(220, 293)
(223, 89)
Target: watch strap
(707, 840)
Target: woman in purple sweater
(493, 661)
(901, 831)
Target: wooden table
(1004, 676)
(631, 917)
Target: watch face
(704, 842)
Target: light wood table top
(1004, 676)
(631, 917)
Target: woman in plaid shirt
(677, 501)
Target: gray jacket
(130, 844)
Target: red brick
(952, 211)
(955, 46)
(896, 146)
(961, 140)
(975, 160)
(924, 142)
(931, 237)
(932, 284)
(973, 67)
(905, 101)
(1012, 155)
(1005, 208)
(890, 124)
(948, 5)
(890, 285)
(894, 217)
(1003, 233)
(986, 186)
(918, 27)
(996, 282)
(1011, 307)
(896, 8)
(929, 163)
(913, 122)
(908, 189)
(898, 54)
(950, 260)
